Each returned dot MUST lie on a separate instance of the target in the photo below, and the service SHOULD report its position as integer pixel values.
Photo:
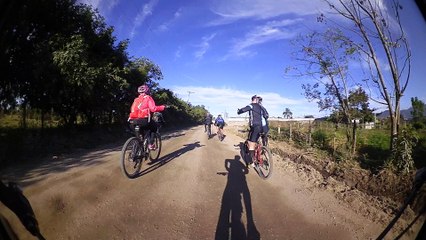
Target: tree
(418, 107)
(325, 58)
(359, 105)
(379, 37)
(287, 113)
(56, 55)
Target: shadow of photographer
(230, 224)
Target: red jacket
(143, 106)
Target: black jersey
(208, 119)
(255, 111)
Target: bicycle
(135, 150)
(220, 134)
(262, 159)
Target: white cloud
(221, 100)
(143, 13)
(270, 31)
(166, 25)
(233, 10)
(104, 6)
(178, 53)
(203, 46)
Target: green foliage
(287, 113)
(419, 151)
(373, 148)
(321, 138)
(62, 65)
(418, 107)
(402, 152)
(419, 120)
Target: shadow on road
(169, 157)
(230, 224)
(245, 155)
(173, 135)
(33, 172)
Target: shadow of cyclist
(230, 225)
(243, 152)
(169, 157)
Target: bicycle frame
(258, 153)
(143, 137)
(262, 159)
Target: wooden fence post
(310, 134)
(334, 144)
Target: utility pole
(189, 94)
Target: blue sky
(219, 53)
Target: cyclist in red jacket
(140, 112)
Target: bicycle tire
(220, 135)
(265, 169)
(130, 161)
(155, 154)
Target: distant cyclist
(265, 123)
(208, 120)
(140, 113)
(255, 122)
(220, 123)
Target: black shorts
(220, 125)
(254, 133)
(143, 124)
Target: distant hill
(406, 113)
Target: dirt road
(192, 195)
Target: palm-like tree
(287, 113)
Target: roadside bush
(373, 149)
(402, 154)
(418, 125)
(321, 139)
(419, 151)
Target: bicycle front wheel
(265, 168)
(154, 154)
(131, 159)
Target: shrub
(419, 151)
(402, 154)
(321, 139)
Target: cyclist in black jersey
(265, 124)
(255, 122)
(208, 121)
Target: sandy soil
(199, 190)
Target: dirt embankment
(383, 193)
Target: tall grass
(372, 146)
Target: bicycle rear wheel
(209, 131)
(131, 159)
(154, 154)
(220, 135)
(265, 169)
